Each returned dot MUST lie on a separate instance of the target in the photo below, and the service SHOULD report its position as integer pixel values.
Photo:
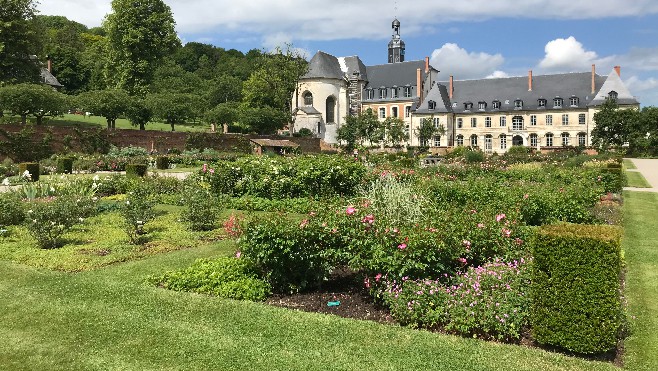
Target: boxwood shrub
(162, 162)
(576, 287)
(64, 165)
(136, 170)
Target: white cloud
(637, 85)
(498, 74)
(566, 55)
(450, 59)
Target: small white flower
(96, 178)
(30, 211)
(81, 219)
(52, 189)
(26, 174)
(34, 220)
(5, 181)
(52, 223)
(127, 202)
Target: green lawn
(629, 164)
(641, 252)
(122, 123)
(635, 179)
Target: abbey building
(540, 111)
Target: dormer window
(518, 104)
(495, 104)
(557, 102)
(308, 99)
(431, 105)
(394, 92)
(468, 106)
(407, 91)
(573, 101)
(541, 103)
(612, 95)
(382, 93)
(482, 106)
(370, 94)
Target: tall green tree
(396, 132)
(223, 113)
(18, 41)
(110, 104)
(33, 100)
(427, 130)
(139, 33)
(174, 108)
(138, 113)
(364, 126)
(262, 120)
(614, 126)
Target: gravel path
(649, 170)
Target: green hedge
(576, 290)
(32, 168)
(136, 170)
(162, 162)
(64, 165)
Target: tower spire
(396, 45)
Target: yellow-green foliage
(576, 291)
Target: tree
(110, 103)
(614, 126)
(364, 126)
(174, 108)
(223, 113)
(396, 132)
(426, 130)
(32, 99)
(18, 41)
(138, 114)
(140, 33)
(263, 120)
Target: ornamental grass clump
(394, 200)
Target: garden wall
(54, 139)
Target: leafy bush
(487, 301)
(30, 170)
(575, 287)
(129, 151)
(225, 277)
(48, 219)
(137, 210)
(136, 170)
(472, 156)
(201, 207)
(162, 162)
(64, 165)
(299, 205)
(293, 256)
(12, 210)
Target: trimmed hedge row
(576, 301)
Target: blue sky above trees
(470, 39)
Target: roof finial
(396, 9)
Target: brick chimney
(593, 78)
(419, 88)
(618, 70)
(451, 88)
(49, 64)
(427, 64)
(530, 80)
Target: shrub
(137, 210)
(575, 287)
(225, 277)
(12, 210)
(293, 256)
(31, 168)
(136, 170)
(395, 200)
(472, 156)
(201, 207)
(613, 178)
(64, 165)
(48, 219)
(162, 162)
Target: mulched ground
(343, 286)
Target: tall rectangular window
(382, 113)
(565, 119)
(436, 122)
(503, 141)
(460, 123)
(407, 111)
(549, 119)
(487, 122)
(533, 120)
(407, 91)
(503, 120)
(474, 122)
(382, 93)
(394, 92)
(581, 119)
(437, 141)
(394, 111)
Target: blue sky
(468, 39)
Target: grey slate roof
(48, 78)
(507, 90)
(399, 74)
(354, 64)
(614, 83)
(324, 65)
(439, 95)
(309, 110)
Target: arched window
(460, 140)
(517, 123)
(565, 139)
(534, 140)
(503, 141)
(488, 142)
(308, 98)
(612, 95)
(474, 140)
(582, 139)
(331, 110)
(431, 105)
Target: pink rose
(350, 210)
(500, 217)
(402, 246)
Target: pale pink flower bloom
(506, 232)
(500, 217)
(238, 254)
(466, 244)
(212, 171)
(378, 277)
(525, 196)
(204, 168)
(402, 246)
(480, 225)
(462, 260)
(304, 223)
(350, 210)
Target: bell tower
(396, 45)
